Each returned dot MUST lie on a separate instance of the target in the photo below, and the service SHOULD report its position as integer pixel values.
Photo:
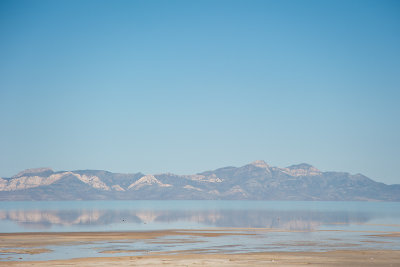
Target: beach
(37, 243)
(166, 233)
(336, 258)
(333, 258)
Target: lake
(248, 226)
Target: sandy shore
(33, 243)
(335, 258)
(44, 239)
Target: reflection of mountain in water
(290, 220)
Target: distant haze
(187, 86)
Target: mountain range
(254, 181)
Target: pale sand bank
(334, 258)
(49, 238)
(37, 239)
(36, 243)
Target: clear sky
(188, 86)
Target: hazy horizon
(188, 86)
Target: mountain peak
(34, 171)
(147, 180)
(260, 164)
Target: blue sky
(187, 86)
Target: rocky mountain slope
(255, 181)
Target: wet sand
(334, 258)
(30, 243)
(44, 239)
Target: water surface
(76, 216)
(266, 225)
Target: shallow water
(77, 216)
(269, 226)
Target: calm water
(75, 216)
(317, 226)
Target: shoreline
(14, 248)
(352, 258)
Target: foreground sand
(32, 243)
(336, 258)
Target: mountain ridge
(254, 181)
